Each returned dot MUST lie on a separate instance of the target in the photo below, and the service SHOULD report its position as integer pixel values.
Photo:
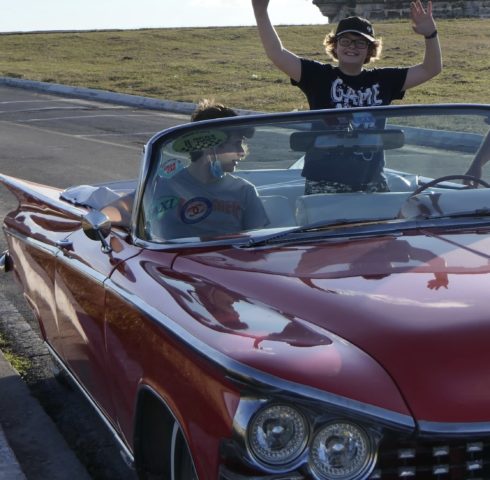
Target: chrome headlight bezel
(298, 427)
(346, 434)
(317, 416)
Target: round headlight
(278, 434)
(342, 451)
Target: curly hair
(374, 48)
(207, 109)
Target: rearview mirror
(357, 140)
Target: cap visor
(365, 35)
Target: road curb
(100, 95)
(428, 137)
(125, 99)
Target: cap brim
(365, 35)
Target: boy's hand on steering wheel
(475, 170)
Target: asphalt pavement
(35, 449)
(9, 467)
(31, 447)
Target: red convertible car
(231, 320)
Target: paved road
(59, 141)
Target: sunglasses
(359, 43)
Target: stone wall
(393, 9)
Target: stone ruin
(397, 9)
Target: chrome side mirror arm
(97, 226)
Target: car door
(82, 268)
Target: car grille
(454, 460)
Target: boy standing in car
(349, 84)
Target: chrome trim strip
(175, 429)
(81, 267)
(52, 249)
(86, 394)
(455, 429)
(61, 255)
(173, 442)
(265, 381)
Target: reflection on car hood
(417, 305)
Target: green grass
(228, 64)
(21, 364)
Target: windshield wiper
(311, 227)
(482, 212)
(363, 227)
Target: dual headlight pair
(278, 435)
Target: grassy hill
(228, 64)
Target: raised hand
(422, 20)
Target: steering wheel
(449, 177)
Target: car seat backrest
(348, 206)
(279, 211)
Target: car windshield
(273, 174)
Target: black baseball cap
(357, 25)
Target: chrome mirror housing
(97, 226)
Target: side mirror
(97, 226)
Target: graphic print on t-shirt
(195, 210)
(344, 96)
(326, 86)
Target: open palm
(422, 21)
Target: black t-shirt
(325, 86)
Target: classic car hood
(417, 305)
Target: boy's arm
(423, 24)
(283, 59)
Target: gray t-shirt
(185, 207)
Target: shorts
(327, 186)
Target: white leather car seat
(279, 211)
(348, 206)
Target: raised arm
(283, 59)
(423, 24)
(481, 158)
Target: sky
(46, 15)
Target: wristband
(432, 35)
